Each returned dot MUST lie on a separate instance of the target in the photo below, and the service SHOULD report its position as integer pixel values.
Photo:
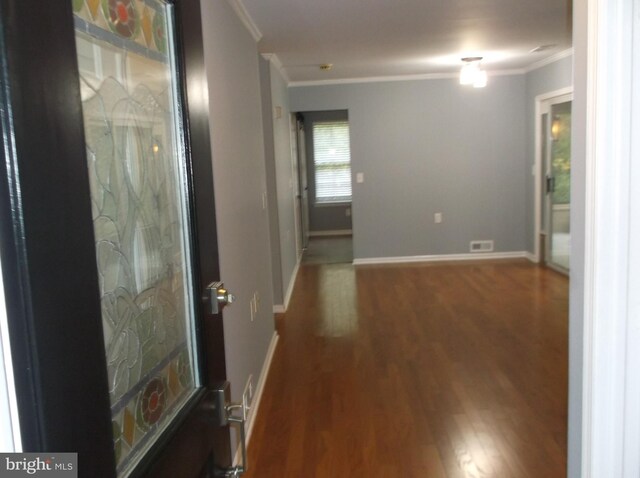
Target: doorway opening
(324, 186)
(553, 159)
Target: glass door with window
(115, 201)
(557, 153)
(138, 176)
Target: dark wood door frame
(47, 244)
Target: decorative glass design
(93, 6)
(153, 402)
(137, 175)
(159, 33)
(122, 17)
(147, 27)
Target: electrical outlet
(247, 397)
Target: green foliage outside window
(561, 154)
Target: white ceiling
(388, 38)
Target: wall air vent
(481, 246)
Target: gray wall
(239, 179)
(285, 170)
(326, 217)
(271, 175)
(432, 146)
(549, 78)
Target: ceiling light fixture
(471, 74)
(556, 126)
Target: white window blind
(332, 161)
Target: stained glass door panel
(135, 157)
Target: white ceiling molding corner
(512, 72)
(381, 79)
(551, 59)
(246, 19)
(275, 61)
(374, 79)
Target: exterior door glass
(136, 162)
(560, 193)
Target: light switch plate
(437, 217)
(359, 177)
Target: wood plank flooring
(425, 371)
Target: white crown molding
(432, 76)
(275, 61)
(246, 19)
(513, 72)
(373, 79)
(551, 59)
(382, 79)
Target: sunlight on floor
(338, 298)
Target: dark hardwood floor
(425, 371)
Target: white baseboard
(442, 258)
(337, 232)
(532, 257)
(282, 308)
(257, 397)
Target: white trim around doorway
(611, 350)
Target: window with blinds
(332, 162)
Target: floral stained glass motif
(140, 25)
(136, 174)
(122, 16)
(153, 402)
